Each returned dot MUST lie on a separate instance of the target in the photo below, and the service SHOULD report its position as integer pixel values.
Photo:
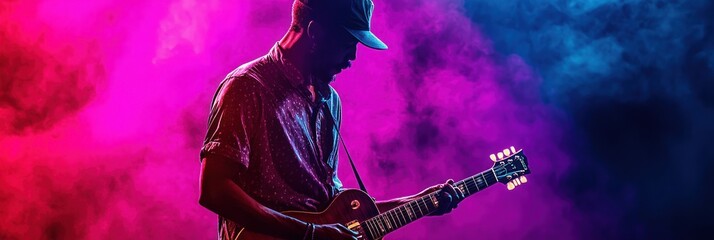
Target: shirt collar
(294, 76)
(286, 67)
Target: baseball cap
(352, 15)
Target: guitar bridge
(354, 225)
(357, 227)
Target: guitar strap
(334, 124)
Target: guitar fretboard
(391, 220)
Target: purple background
(103, 108)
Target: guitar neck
(391, 220)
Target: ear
(314, 30)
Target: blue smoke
(637, 80)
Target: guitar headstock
(510, 167)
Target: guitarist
(271, 144)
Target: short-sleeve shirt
(284, 144)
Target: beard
(322, 84)
(323, 77)
(322, 73)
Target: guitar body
(350, 207)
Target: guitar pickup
(354, 225)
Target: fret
(393, 222)
(385, 223)
(495, 180)
(409, 211)
(396, 216)
(371, 228)
(475, 183)
(381, 225)
(420, 213)
(464, 188)
(405, 216)
(377, 232)
(401, 212)
(395, 211)
(426, 205)
(433, 200)
(385, 218)
(434, 203)
(390, 221)
(484, 178)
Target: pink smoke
(104, 107)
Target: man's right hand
(334, 231)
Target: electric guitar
(358, 211)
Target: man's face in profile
(333, 52)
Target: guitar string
(386, 215)
(431, 194)
(423, 203)
(397, 222)
(495, 168)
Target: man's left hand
(448, 196)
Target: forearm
(237, 206)
(225, 198)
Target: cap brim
(368, 39)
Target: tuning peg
(513, 150)
(523, 179)
(507, 152)
(500, 155)
(493, 157)
(510, 186)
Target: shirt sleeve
(235, 111)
